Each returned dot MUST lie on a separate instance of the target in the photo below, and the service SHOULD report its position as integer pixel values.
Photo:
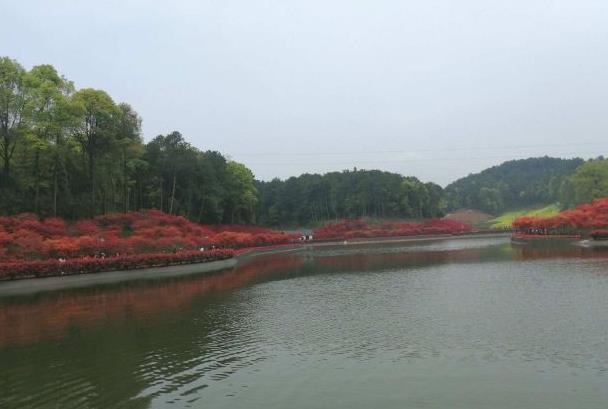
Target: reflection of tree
(123, 346)
(52, 314)
(538, 252)
(379, 261)
(110, 347)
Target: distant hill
(511, 185)
(311, 199)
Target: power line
(434, 150)
(434, 160)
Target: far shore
(45, 284)
(409, 239)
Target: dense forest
(588, 182)
(310, 199)
(514, 184)
(77, 153)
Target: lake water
(468, 323)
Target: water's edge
(35, 285)
(44, 284)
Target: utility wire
(413, 151)
(433, 160)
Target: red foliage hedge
(52, 267)
(348, 229)
(583, 217)
(25, 237)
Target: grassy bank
(505, 220)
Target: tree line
(312, 198)
(587, 183)
(515, 184)
(77, 153)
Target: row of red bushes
(52, 267)
(348, 229)
(25, 237)
(584, 217)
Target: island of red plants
(350, 229)
(30, 247)
(591, 219)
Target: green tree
(50, 117)
(242, 198)
(15, 108)
(512, 184)
(590, 181)
(310, 199)
(130, 149)
(96, 131)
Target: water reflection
(246, 336)
(28, 319)
(125, 346)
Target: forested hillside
(514, 184)
(77, 153)
(589, 182)
(311, 198)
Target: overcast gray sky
(432, 88)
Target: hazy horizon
(436, 89)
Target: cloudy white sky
(432, 88)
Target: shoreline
(409, 239)
(47, 284)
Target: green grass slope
(506, 219)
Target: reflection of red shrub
(50, 317)
(349, 229)
(599, 234)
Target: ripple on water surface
(460, 323)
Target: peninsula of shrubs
(586, 219)
(31, 247)
(350, 229)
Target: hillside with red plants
(585, 217)
(350, 229)
(30, 246)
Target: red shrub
(5, 238)
(85, 227)
(32, 225)
(30, 243)
(54, 227)
(583, 217)
(349, 229)
(25, 237)
(43, 268)
(86, 244)
(62, 247)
